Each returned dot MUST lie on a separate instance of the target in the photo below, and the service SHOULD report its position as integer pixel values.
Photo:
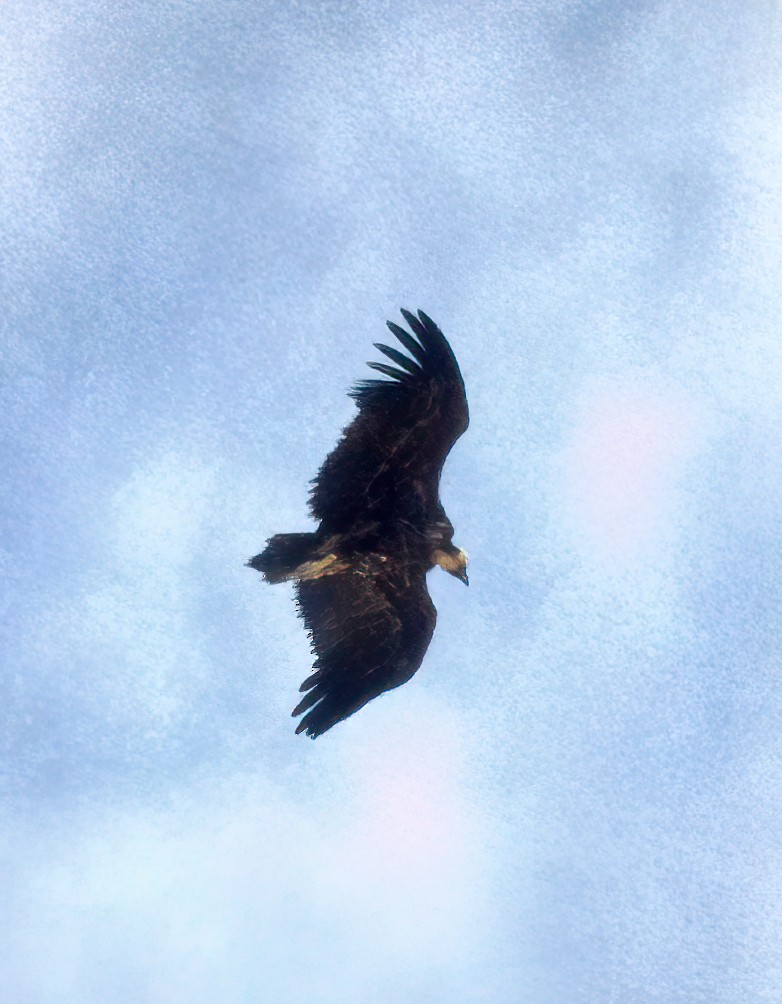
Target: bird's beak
(463, 576)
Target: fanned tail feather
(283, 554)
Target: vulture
(360, 578)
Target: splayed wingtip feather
(401, 360)
(306, 703)
(408, 341)
(428, 322)
(388, 370)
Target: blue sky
(209, 210)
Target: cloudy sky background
(208, 212)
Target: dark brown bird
(361, 576)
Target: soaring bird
(360, 578)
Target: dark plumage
(361, 576)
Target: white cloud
(235, 889)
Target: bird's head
(454, 561)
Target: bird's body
(361, 576)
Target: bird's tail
(283, 555)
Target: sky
(208, 212)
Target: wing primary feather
(399, 358)
(419, 330)
(427, 321)
(437, 340)
(306, 702)
(389, 371)
(408, 341)
(369, 392)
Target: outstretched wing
(370, 629)
(388, 463)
